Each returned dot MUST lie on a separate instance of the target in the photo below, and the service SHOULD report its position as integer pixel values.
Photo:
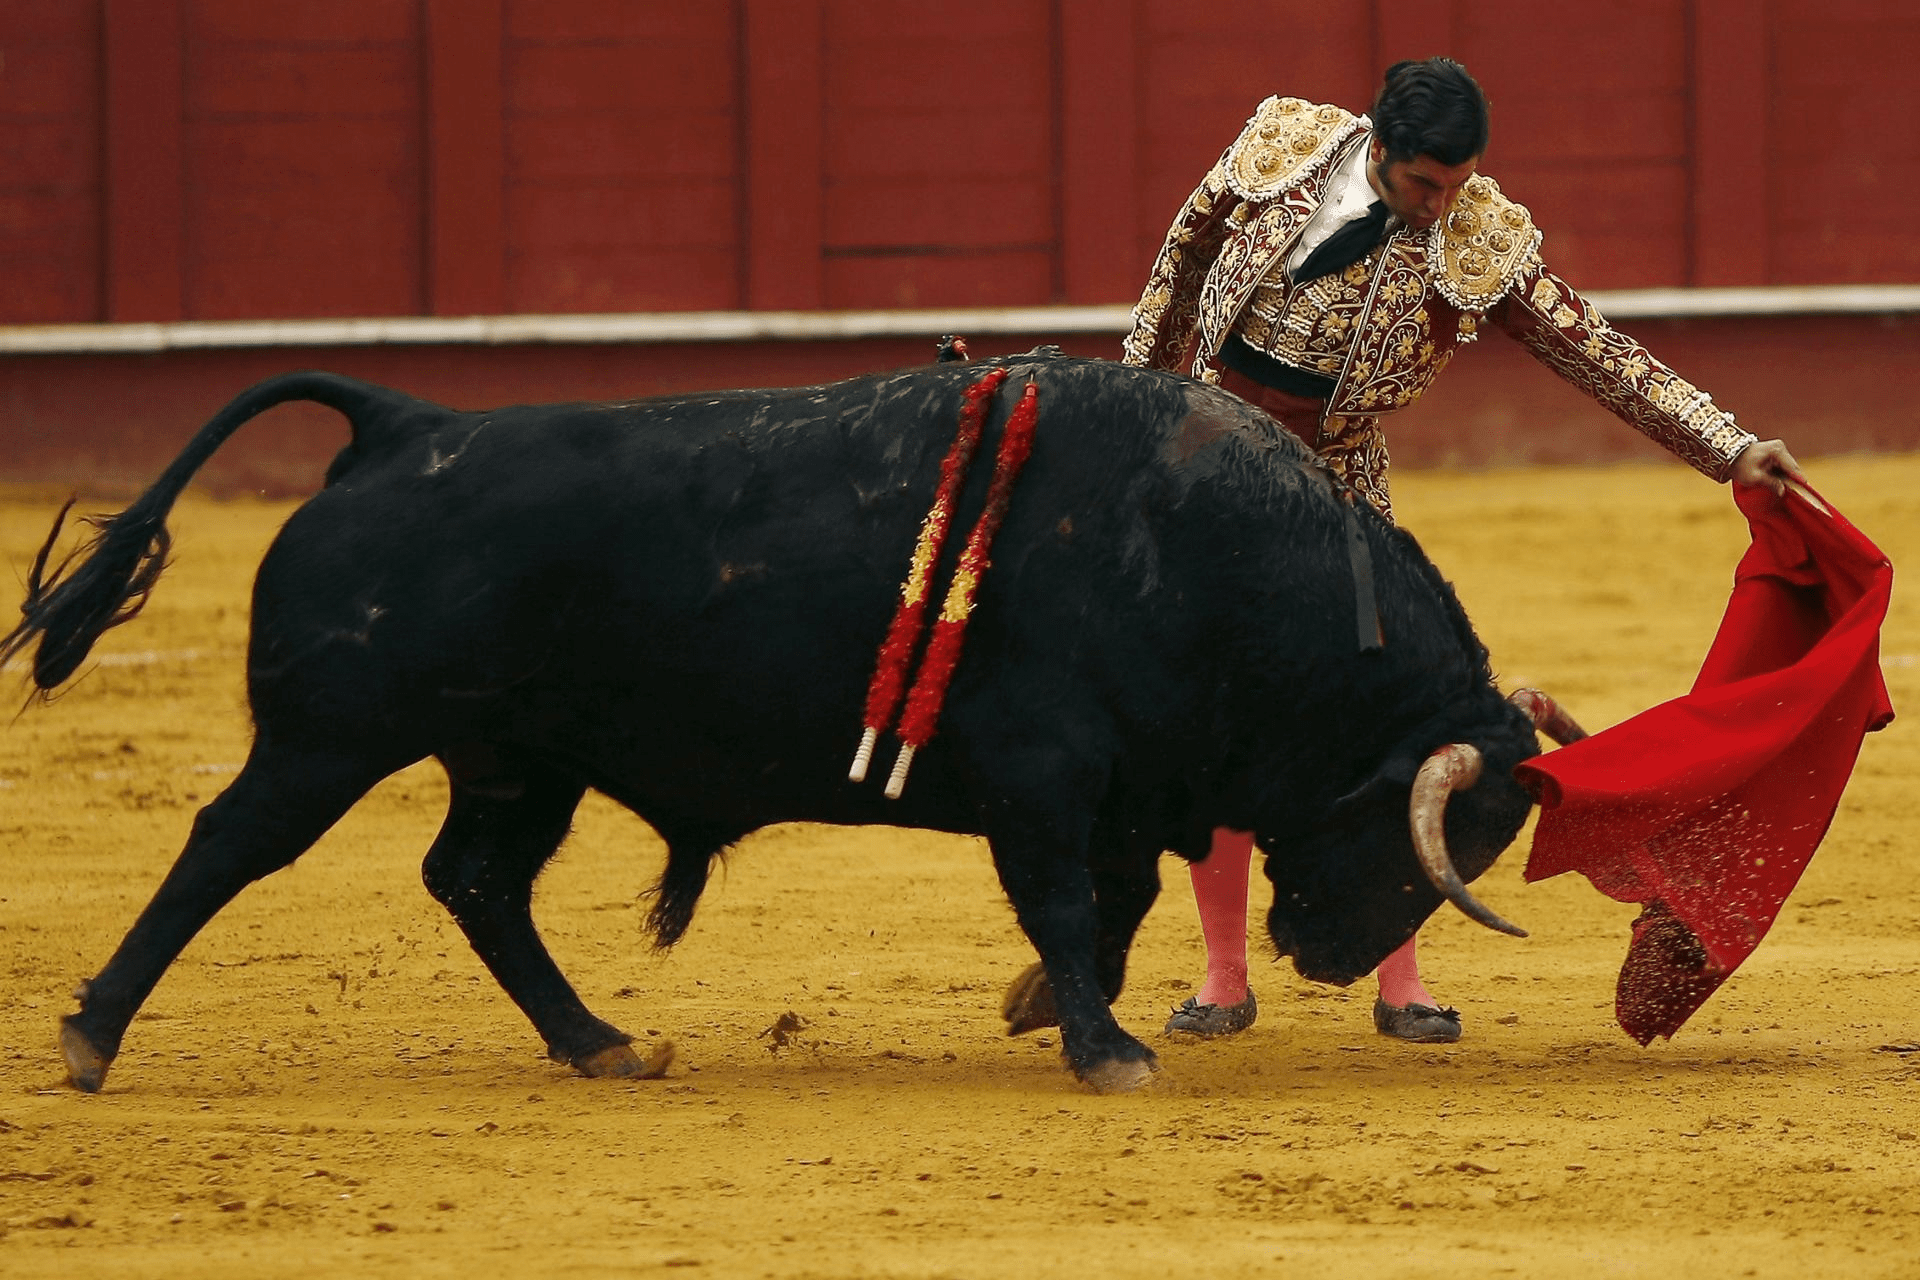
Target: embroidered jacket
(1387, 325)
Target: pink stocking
(1400, 983)
(1220, 891)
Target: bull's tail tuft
(70, 610)
(107, 581)
(689, 863)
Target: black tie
(1346, 246)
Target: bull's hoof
(86, 1065)
(1119, 1075)
(620, 1062)
(1029, 1002)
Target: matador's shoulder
(1284, 142)
(1482, 246)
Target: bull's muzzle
(1455, 767)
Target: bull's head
(1345, 889)
(1456, 767)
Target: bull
(677, 601)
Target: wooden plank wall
(1842, 134)
(52, 120)
(213, 159)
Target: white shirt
(1347, 196)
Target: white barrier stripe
(1773, 300)
(657, 327)
(638, 328)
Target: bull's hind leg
(282, 801)
(482, 868)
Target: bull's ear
(1395, 773)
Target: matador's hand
(1766, 462)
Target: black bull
(678, 602)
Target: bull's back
(716, 572)
(630, 562)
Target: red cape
(1707, 808)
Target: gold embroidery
(1217, 269)
(1480, 248)
(1281, 143)
(1395, 357)
(1353, 447)
(1675, 394)
(1303, 325)
(1168, 312)
(1243, 261)
(1570, 338)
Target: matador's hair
(1431, 108)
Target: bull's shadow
(1183, 622)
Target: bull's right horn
(1454, 767)
(1547, 716)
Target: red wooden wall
(211, 159)
(51, 160)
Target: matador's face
(1418, 191)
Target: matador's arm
(1564, 332)
(1169, 308)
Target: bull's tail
(69, 608)
(691, 850)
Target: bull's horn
(1452, 768)
(1547, 716)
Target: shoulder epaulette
(1286, 139)
(1480, 248)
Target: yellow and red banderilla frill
(929, 690)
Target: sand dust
(328, 1083)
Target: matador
(1326, 269)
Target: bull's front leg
(1047, 880)
(1126, 880)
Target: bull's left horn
(1547, 716)
(1452, 768)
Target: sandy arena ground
(328, 1083)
